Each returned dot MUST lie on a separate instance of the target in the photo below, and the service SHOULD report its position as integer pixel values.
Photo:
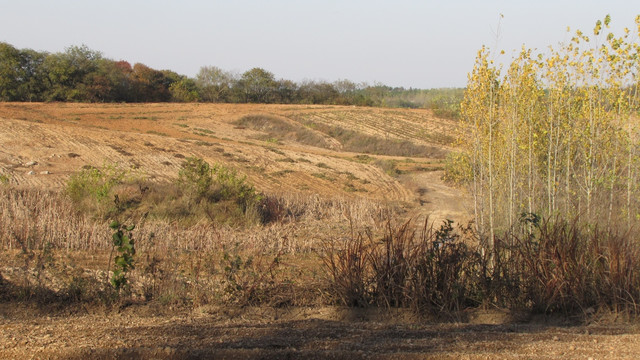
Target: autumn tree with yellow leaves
(556, 133)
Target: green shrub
(195, 178)
(92, 189)
(220, 192)
(202, 191)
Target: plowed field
(42, 144)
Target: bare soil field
(300, 333)
(154, 138)
(312, 154)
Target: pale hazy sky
(410, 43)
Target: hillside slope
(324, 150)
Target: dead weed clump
(547, 266)
(427, 271)
(557, 266)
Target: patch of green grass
(388, 166)
(286, 159)
(152, 118)
(274, 150)
(282, 172)
(324, 176)
(258, 169)
(322, 165)
(157, 133)
(364, 159)
(349, 175)
(349, 187)
(204, 131)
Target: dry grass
(550, 267)
(175, 264)
(34, 218)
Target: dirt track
(326, 333)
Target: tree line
(555, 134)
(84, 75)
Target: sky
(408, 43)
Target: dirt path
(303, 333)
(437, 200)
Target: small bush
(124, 244)
(388, 166)
(195, 178)
(93, 189)
(201, 192)
(220, 192)
(248, 281)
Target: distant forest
(80, 74)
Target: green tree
(184, 90)
(214, 84)
(33, 83)
(69, 73)
(311, 92)
(257, 86)
(10, 72)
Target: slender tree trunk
(549, 151)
